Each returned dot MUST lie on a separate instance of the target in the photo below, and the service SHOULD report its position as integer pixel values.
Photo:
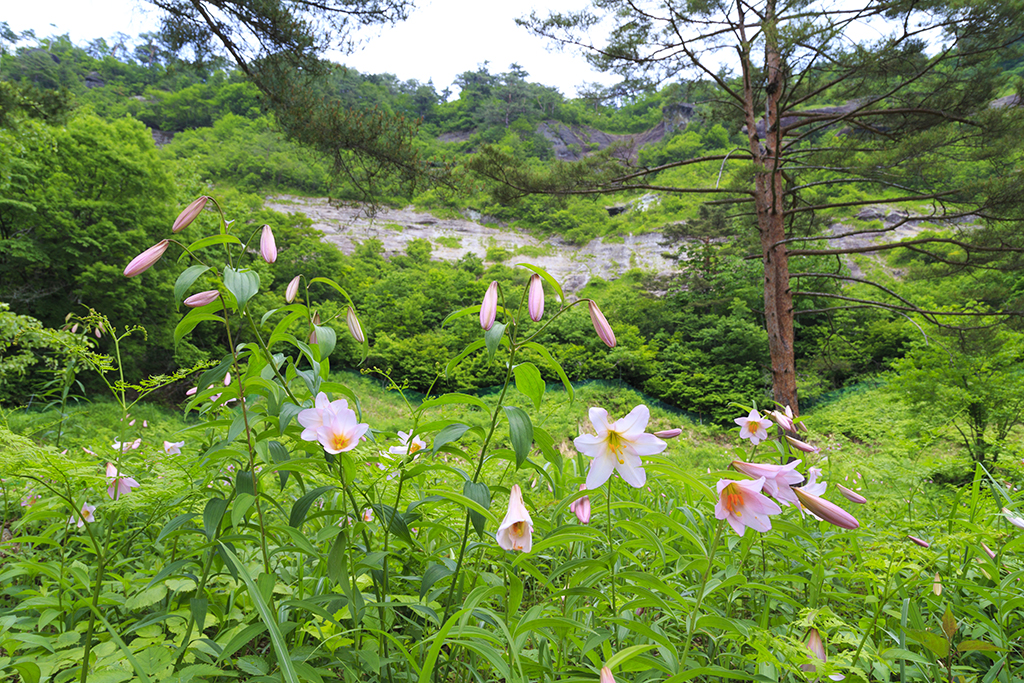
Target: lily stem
(691, 623)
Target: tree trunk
(771, 215)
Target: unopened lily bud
(145, 260)
(227, 379)
(581, 507)
(919, 541)
(202, 298)
(1013, 519)
(851, 496)
(74, 328)
(988, 551)
(536, 298)
(293, 289)
(937, 585)
(817, 649)
(783, 421)
(668, 433)
(828, 511)
(312, 335)
(601, 326)
(801, 446)
(353, 326)
(489, 307)
(189, 214)
(606, 675)
(268, 247)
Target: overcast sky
(441, 39)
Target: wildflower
(1013, 519)
(353, 326)
(753, 427)
(144, 261)
(202, 298)
(312, 419)
(408, 447)
(192, 391)
(581, 507)
(830, 512)
(783, 420)
(919, 541)
(536, 298)
(173, 447)
(801, 446)
(368, 515)
(618, 446)
(516, 530)
(606, 675)
(292, 290)
(84, 515)
(30, 499)
(742, 504)
(189, 214)
(814, 487)
(777, 478)
(489, 306)
(338, 431)
(601, 326)
(118, 484)
(268, 247)
(851, 496)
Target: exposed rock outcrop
(573, 266)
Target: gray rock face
(573, 266)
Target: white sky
(441, 39)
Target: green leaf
(210, 241)
(492, 339)
(546, 444)
(432, 575)
(977, 645)
(455, 397)
(938, 645)
(193, 318)
(268, 618)
(326, 339)
(452, 432)
(252, 664)
(186, 280)
(28, 671)
(520, 432)
(197, 607)
(243, 501)
(174, 524)
(480, 494)
(216, 373)
(555, 366)
(243, 284)
(529, 382)
(454, 362)
(212, 515)
(301, 507)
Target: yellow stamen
(732, 498)
(340, 441)
(414, 447)
(617, 445)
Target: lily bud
(937, 585)
(606, 675)
(783, 420)
(919, 541)
(1013, 519)
(668, 433)
(268, 247)
(293, 289)
(536, 299)
(581, 507)
(353, 326)
(189, 214)
(989, 551)
(312, 335)
(801, 446)
(202, 298)
(601, 326)
(145, 260)
(828, 511)
(851, 496)
(489, 307)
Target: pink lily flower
(516, 530)
(742, 504)
(119, 484)
(407, 447)
(753, 427)
(777, 478)
(617, 446)
(173, 447)
(85, 515)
